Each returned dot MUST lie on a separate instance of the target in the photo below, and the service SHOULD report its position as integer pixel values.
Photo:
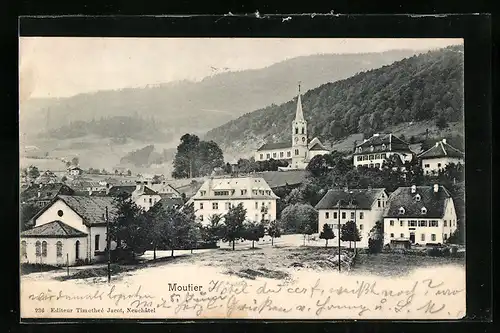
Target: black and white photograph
(242, 178)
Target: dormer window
(401, 210)
(383, 146)
(423, 210)
(417, 197)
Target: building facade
(363, 206)
(217, 195)
(75, 171)
(373, 152)
(439, 156)
(300, 150)
(421, 214)
(72, 229)
(141, 195)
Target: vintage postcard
(244, 178)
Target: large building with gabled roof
(437, 157)
(373, 152)
(299, 151)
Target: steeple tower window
(302, 130)
(296, 130)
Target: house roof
(47, 192)
(441, 149)
(122, 189)
(238, 187)
(278, 145)
(167, 202)
(53, 229)
(91, 209)
(144, 190)
(74, 168)
(383, 142)
(363, 198)
(434, 202)
(282, 178)
(318, 146)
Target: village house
(363, 206)
(299, 151)
(70, 228)
(420, 214)
(75, 171)
(439, 156)
(373, 152)
(47, 177)
(42, 194)
(165, 190)
(141, 195)
(218, 195)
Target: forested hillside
(420, 88)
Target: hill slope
(200, 106)
(416, 89)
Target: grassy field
(391, 264)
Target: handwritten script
(321, 299)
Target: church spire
(298, 114)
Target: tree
(64, 179)
(327, 233)
(33, 172)
(296, 217)
(214, 231)
(233, 223)
(68, 164)
(441, 122)
(376, 238)
(75, 161)
(274, 231)
(27, 211)
(305, 229)
(253, 231)
(159, 231)
(116, 171)
(349, 232)
(129, 173)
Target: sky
(66, 66)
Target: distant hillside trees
(196, 158)
(139, 157)
(424, 87)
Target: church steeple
(299, 116)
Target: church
(299, 151)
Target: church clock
(296, 139)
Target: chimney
(437, 143)
(39, 194)
(413, 189)
(444, 140)
(436, 188)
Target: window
(371, 157)
(60, 213)
(261, 156)
(377, 165)
(221, 193)
(228, 205)
(433, 237)
(360, 227)
(268, 156)
(433, 223)
(402, 235)
(145, 200)
(96, 242)
(215, 205)
(417, 197)
(288, 154)
(383, 147)
(426, 165)
(445, 223)
(327, 215)
(391, 223)
(383, 155)
(23, 249)
(150, 201)
(359, 149)
(343, 215)
(365, 158)
(422, 223)
(392, 235)
(59, 249)
(201, 218)
(296, 130)
(401, 223)
(439, 165)
(274, 155)
(335, 215)
(296, 151)
(201, 205)
(360, 158)
(361, 215)
(422, 237)
(44, 249)
(282, 154)
(378, 203)
(401, 210)
(371, 165)
(377, 156)
(202, 193)
(412, 223)
(302, 130)
(423, 210)
(37, 248)
(445, 236)
(352, 216)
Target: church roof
(299, 115)
(53, 229)
(278, 145)
(318, 146)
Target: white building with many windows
(299, 151)
(218, 195)
(420, 214)
(363, 206)
(439, 156)
(374, 151)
